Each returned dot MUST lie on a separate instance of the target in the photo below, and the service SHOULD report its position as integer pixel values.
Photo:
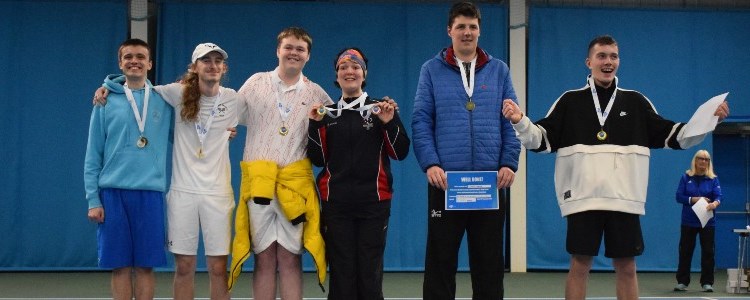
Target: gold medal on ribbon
(283, 130)
(470, 105)
(321, 110)
(141, 142)
(601, 135)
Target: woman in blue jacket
(699, 182)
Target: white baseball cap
(202, 49)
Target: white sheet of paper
(703, 120)
(700, 210)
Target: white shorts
(268, 224)
(189, 213)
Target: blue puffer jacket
(448, 135)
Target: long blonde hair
(709, 170)
(191, 95)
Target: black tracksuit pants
(355, 238)
(687, 246)
(445, 230)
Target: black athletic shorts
(622, 233)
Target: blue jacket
(445, 133)
(112, 158)
(697, 186)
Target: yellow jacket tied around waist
(294, 188)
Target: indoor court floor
(526, 286)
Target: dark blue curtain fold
(56, 53)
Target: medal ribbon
(364, 110)
(285, 110)
(599, 114)
(141, 120)
(203, 130)
(468, 84)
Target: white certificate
(703, 120)
(700, 210)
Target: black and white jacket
(609, 174)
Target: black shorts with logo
(621, 231)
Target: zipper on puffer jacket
(471, 137)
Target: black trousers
(355, 242)
(687, 246)
(445, 229)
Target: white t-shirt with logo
(211, 173)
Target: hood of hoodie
(449, 57)
(114, 83)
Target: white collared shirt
(263, 140)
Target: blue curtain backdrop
(55, 54)
(732, 159)
(678, 59)
(397, 38)
(58, 52)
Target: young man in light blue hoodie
(200, 198)
(125, 176)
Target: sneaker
(708, 288)
(680, 287)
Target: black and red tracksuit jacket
(356, 156)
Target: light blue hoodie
(112, 158)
